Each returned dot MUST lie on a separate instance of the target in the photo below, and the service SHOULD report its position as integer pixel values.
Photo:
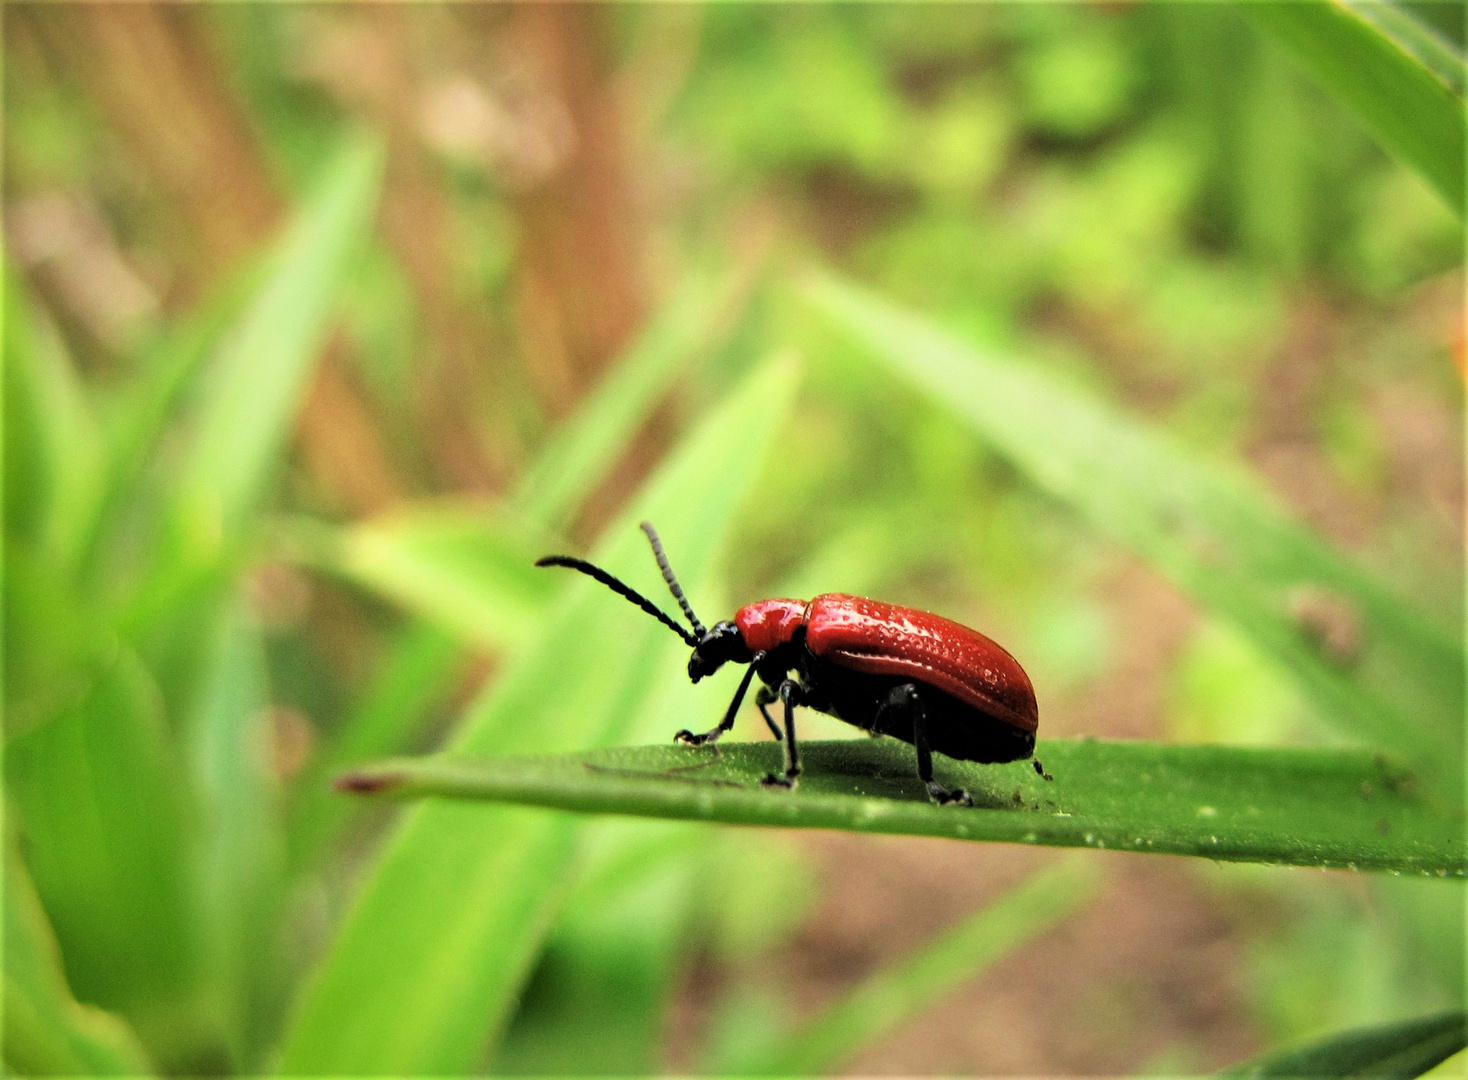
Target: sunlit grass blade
(1371, 663)
(688, 324)
(46, 1032)
(884, 1000)
(146, 409)
(53, 445)
(262, 369)
(241, 846)
(422, 975)
(464, 567)
(1374, 64)
(1397, 1051)
(1342, 808)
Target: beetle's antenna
(657, 551)
(621, 590)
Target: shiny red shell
(884, 639)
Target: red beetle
(889, 670)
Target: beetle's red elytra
(890, 670)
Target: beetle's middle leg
(907, 699)
(764, 697)
(791, 693)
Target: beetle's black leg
(1040, 769)
(791, 693)
(906, 697)
(686, 736)
(764, 698)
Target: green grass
(1403, 82)
(1397, 1051)
(179, 902)
(1339, 808)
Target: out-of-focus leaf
(422, 975)
(265, 362)
(241, 846)
(53, 447)
(1371, 56)
(417, 672)
(599, 997)
(146, 408)
(598, 1000)
(469, 569)
(98, 798)
(46, 1032)
(1371, 664)
(1397, 1051)
(1343, 808)
(881, 1002)
(463, 567)
(687, 325)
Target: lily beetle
(889, 670)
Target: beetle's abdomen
(769, 624)
(884, 639)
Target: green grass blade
(146, 409)
(265, 363)
(1205, 525)
(46, 1032)
(464, 567)
(1341, 808)
(241, 843)
(53, 445)
(686, 326)
(880, 1003)
(1374, 63)
(419, 671)
(98, 795)
(1397, 1051)
(599, 1002)
(424, 971)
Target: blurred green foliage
(1158, 207)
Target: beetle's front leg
(688, 737)
(792, 694)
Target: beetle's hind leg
(907, 699)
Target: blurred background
(420, 240)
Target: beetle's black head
(719, 646)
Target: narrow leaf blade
(1397, 1051)
(264, 364)
(883, 1001)
(46, 1031)
(461, 566)
(1341, 808)
(1375, 66)
(578, 455)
